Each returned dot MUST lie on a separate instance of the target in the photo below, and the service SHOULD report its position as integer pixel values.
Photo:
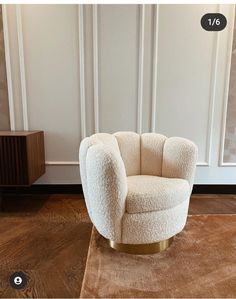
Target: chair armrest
(107, 189)
(179, 159)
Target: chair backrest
(129, 145)
(141, 154)
(152, 146)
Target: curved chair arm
(179, 159)
(107, 189)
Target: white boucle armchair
(137, 187)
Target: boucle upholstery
(152, 145)
(152, 193)
(137, 187)
(102, 169)
(129, 144)
(151, 227)
(104, 138)
(179, 159)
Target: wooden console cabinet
(22, 158)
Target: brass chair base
(141, 248)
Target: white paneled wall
(76, 70)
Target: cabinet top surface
(18, 133)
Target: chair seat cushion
(152, 193)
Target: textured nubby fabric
(179, 159)
(137, 187)
(108, 187)
(152, 193)
(101, 138)
(152, 145)
(129, 144)
(150, 227)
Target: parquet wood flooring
(47, 237)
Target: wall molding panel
(8, 67)
(22, 66)
(111, 53)
(82, 71)
(54, 163)
(203, 164)
(95, 68)
(226, 92)
(214, 69)
(212, 100)
(155, 66)
(140, 69)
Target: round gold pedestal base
(141, 248)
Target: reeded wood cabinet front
(22, 157)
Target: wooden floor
(47, 237)
(212, 204)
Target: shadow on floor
(25, 204)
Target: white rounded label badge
(18, 280)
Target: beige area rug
(201, 263)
